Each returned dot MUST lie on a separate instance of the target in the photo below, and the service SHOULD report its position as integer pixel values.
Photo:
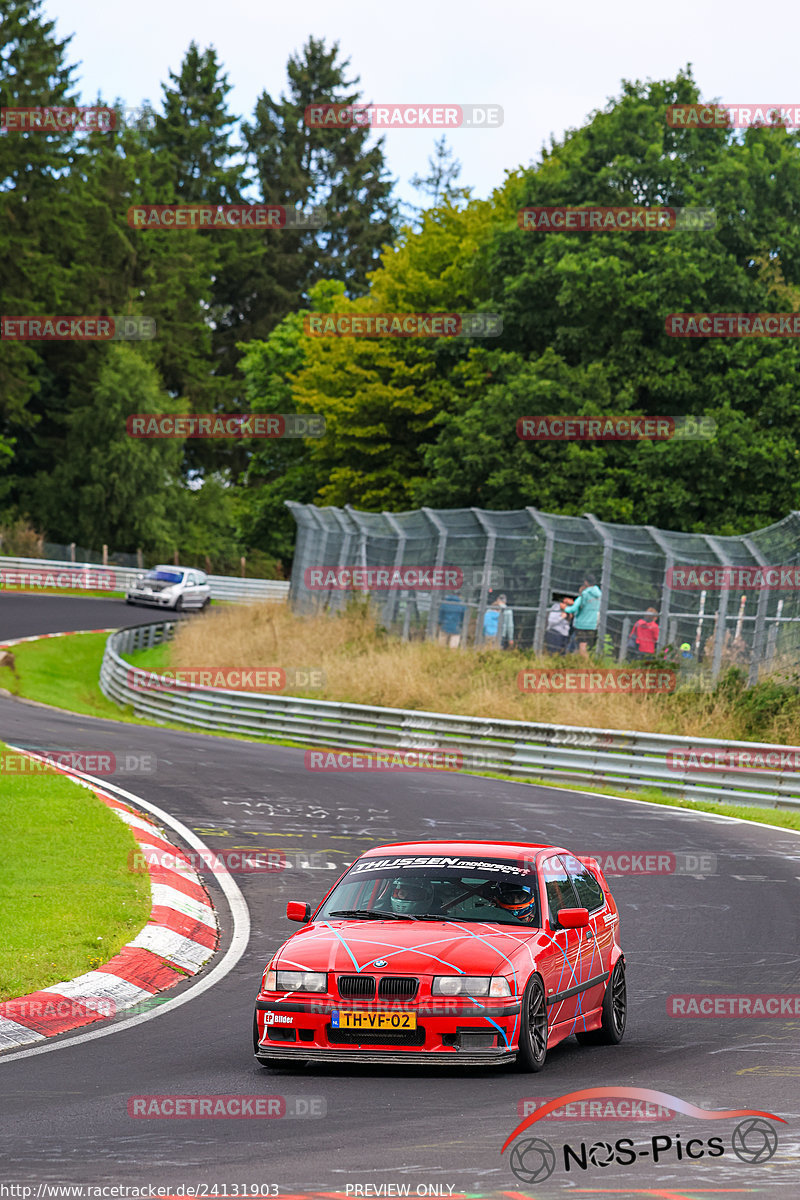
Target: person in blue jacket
(451, 619)
(586, 614)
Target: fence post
(390, 607)
(626, 632)
(436, 599)
(72, 552)
(105, 555)
(669, 563)
(545, 582)
(140, 559)
(242, 564)
(605, 579)
(488, 562)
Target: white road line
(241, 932)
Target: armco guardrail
(559, 752)
(223, 587)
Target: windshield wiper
(367, 913)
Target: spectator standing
(644, 636)
(558, 628)
(586, 613)
(498, 623)
(451, 620)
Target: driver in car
(516, 898)
(411, 896)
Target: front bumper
(447, 1033)
(152, 598)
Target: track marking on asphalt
(668, 808)
(240, 915)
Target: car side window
(190, 581)
(558, 886)
(590, 894)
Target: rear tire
(533, 1031)
(615, 1012)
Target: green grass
(65, 672)
(156, 658)
(68, 900)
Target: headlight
(470, 985)
(296, 981)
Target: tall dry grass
(364, 665)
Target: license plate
(341, 1019)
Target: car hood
(153, 585)
(409, 947)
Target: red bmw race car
(455, 953)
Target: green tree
(110, 488)
(299, 165)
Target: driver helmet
(411, 896)
(516, 898)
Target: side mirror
(573, 918)
(299, 910)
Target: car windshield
(443, 888)
(164, 576)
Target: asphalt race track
(64, 1111)
(23, 614)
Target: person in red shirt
(644, 636)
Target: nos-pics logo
(532, 1159)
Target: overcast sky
(548, 65)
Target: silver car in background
(172, 587)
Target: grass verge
(68, 899)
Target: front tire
(533, 1032)
(615, 1012)
(179, 604)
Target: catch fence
(536, 558)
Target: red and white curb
(180, 936)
